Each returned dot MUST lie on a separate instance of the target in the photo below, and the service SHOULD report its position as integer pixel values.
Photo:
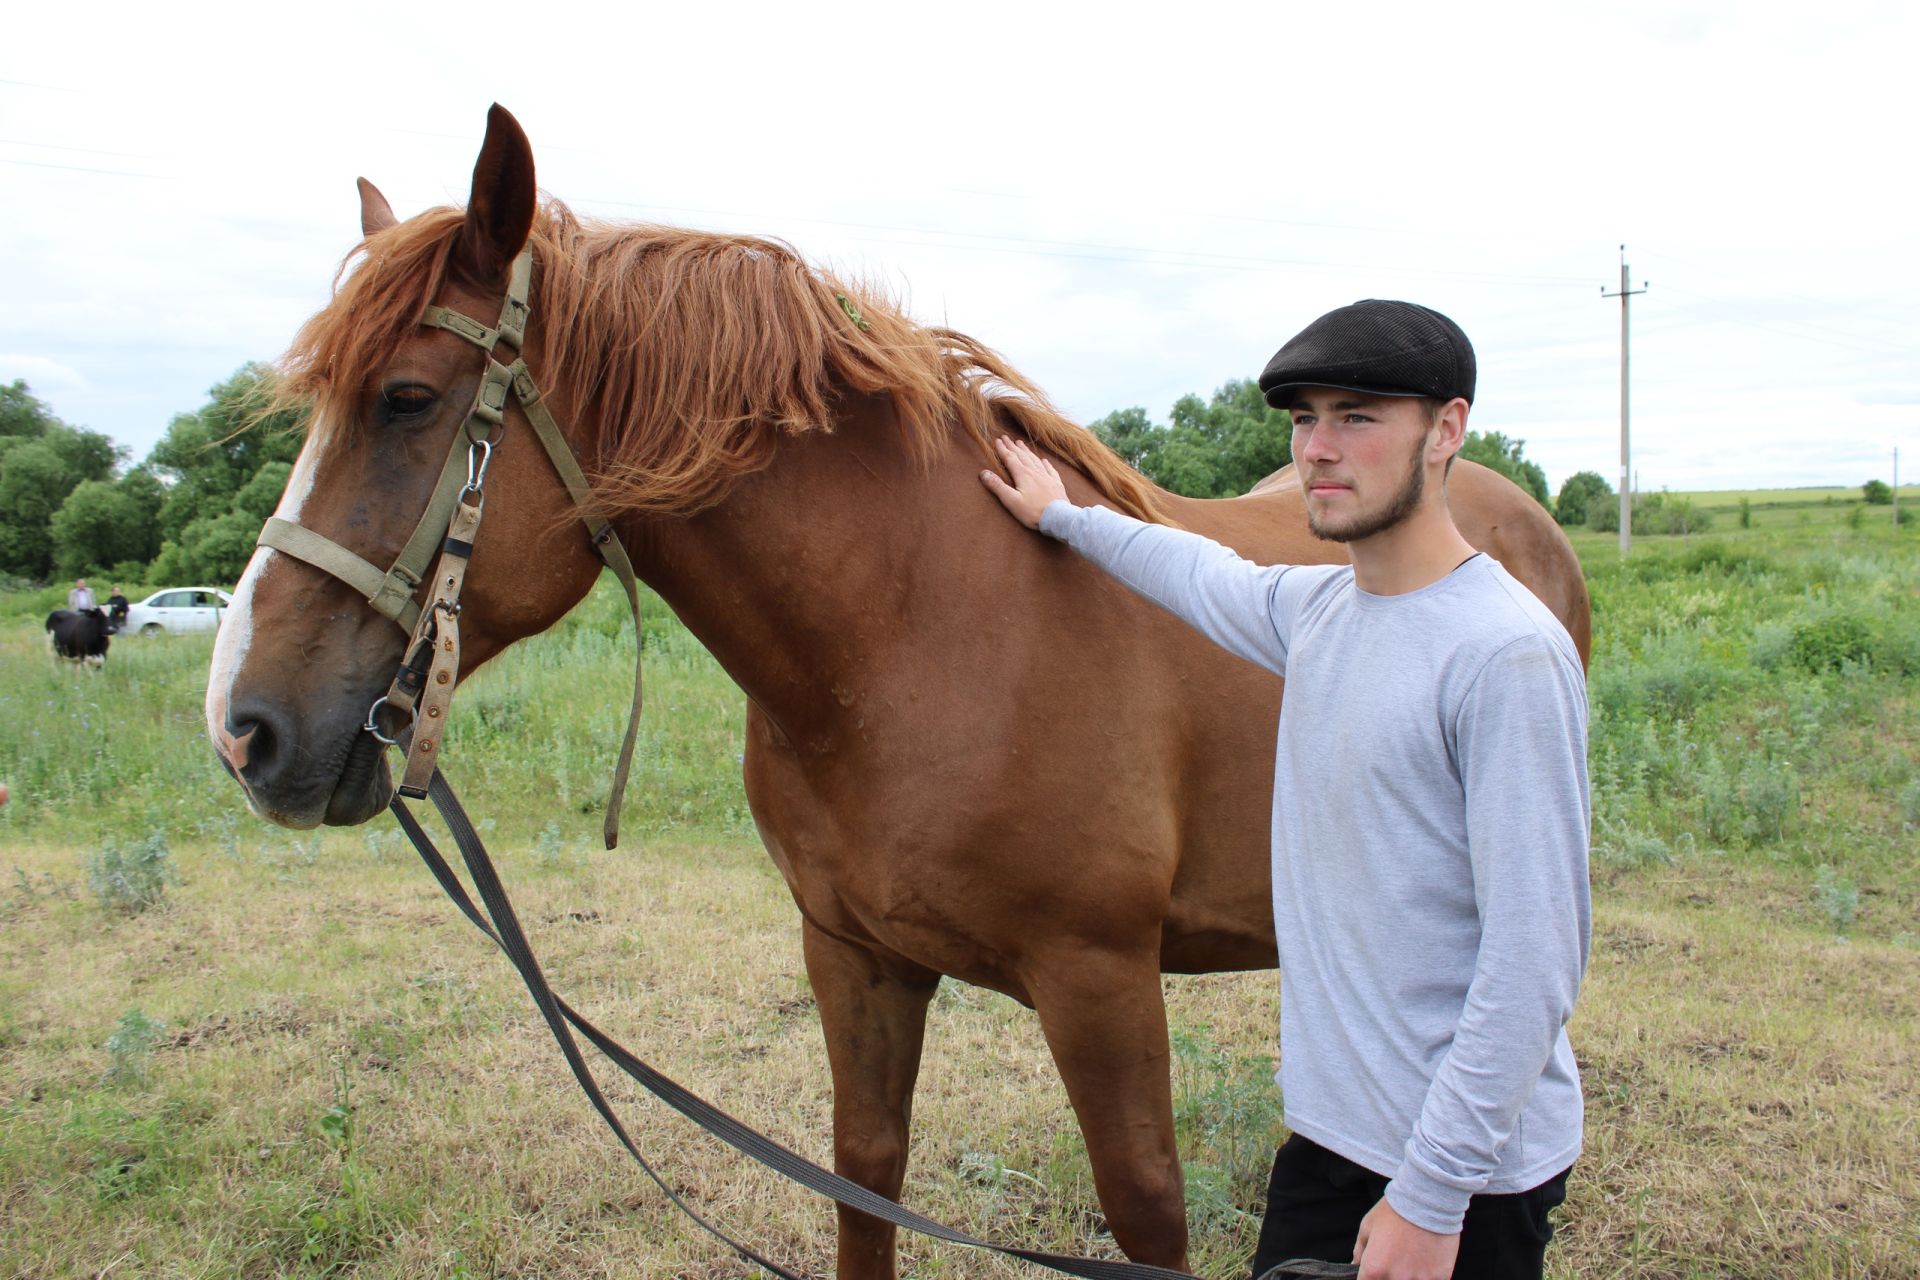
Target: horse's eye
(408, 401)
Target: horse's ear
(500, 210)
(376, 215)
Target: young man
(1430, 815)
(117, 607)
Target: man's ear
(1450, 428)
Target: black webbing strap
(506, 933)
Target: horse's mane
(693, 350)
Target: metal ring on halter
(371, 727)
(477, 475)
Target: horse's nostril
(254, 747)
(253, 742)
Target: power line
(1091, 250)
(32, 84)
(54, 146)
(1851, 342)
(1423, 233)
(75, 168)
(1784, 293)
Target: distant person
(80, 599)
(117, 606)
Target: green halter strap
(391, 593)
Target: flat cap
(1378, 347)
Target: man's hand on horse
(1035, 482)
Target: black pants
(1315, 1201)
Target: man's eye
(408, 402)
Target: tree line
(70, 506)
(1224, 445)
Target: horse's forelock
(380, 291)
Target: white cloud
(44, 374)
(1128, 209)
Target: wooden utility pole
(1896, 487)
(1626, 449)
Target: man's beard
(1366, 524)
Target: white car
(178, 609)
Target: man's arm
(1227, 599)
(1521, 740)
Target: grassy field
(230, 1050)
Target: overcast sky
(1130, 202)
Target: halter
(423, 687)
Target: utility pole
(1626, 450)
(1896, 487)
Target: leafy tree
(1877, 492)
(209, 455)
(259, 496)
(1131, 434)
(1212, 448)
(33, 482)
(22, 413)
(1494, 449)
(101, 524)
(1577, 494)
(42, 460)
(227, 466)
(215, 549)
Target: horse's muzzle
(305, 774)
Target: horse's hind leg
(1106, 1024)
(873, 1009)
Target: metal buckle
(371, 727)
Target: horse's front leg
(873, 1009)
(1106, 1023)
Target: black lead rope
(506, 933)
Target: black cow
(79, 634)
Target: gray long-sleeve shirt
(1430, 824)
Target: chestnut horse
(968, 752)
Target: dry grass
(345, 1079)
(1751, 1092)
(1752, 1108)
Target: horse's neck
(798, 580)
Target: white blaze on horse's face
(236, 628)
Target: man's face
(1361, 460)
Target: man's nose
(1313, 443)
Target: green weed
(129, 1047)
(337, 1228)
(126, 1154)
(1837, 897)
(128, 877)
(1753, 802)
(1226, 1110)
(1910, 803)
(1831, 642)
(551, 853)
(1623, 844)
